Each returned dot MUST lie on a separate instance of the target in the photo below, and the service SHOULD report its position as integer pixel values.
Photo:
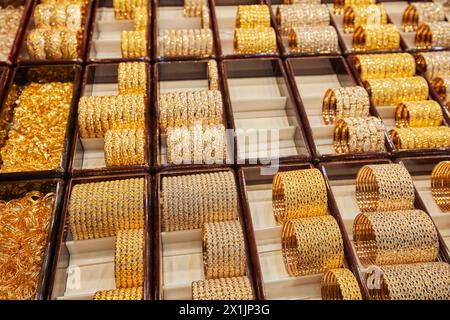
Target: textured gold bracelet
(213, 75)
(340, 5)
(435, 64)
(433, 35)
(420, 12)
(340, 284)
(376, 190)
(376, 37)
(186, 42)
(417, 281)
(255, 40)
(415, 114)
(420, 138)
(134, 44)
(193, 8)
(314, 40)
(311, 245)
(124, 147)
(129, 258)
(224, 253)
(345, 102)
(395, 237)
(132, 78)
(387, 65)
(302, 15)
(440, 185)
(253, 16)
(442, 87)
(120, 294)
(123, 9)
(363, 15)
(190, 201)
(236, 288)
(298, 194)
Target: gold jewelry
(253, 41)
(440, 185)
(193, 8)
(420, 138)
(415, 114)
(345, 102)
(387, 65)
(124, 147)
(213, 75)
(120, 294)
(123, 9)
(340, 284)
(298, 194)
(363, 15)
(302, 15)
(435, 64)
(340, 5)
(129, 258)
(419, 12)
(253, 16)
(132, 78)
(224, 253)
(377, 191)
(140, 18)
(134, 44)
(433, 35)
(442, 87)
(311, 245)
(376, 37)
(236, 288)
(314, 40)
(187, 42)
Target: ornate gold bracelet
(123, 9)
(253, 16)
(54, 43)
(140, 17)
(224, 253)
(432, 35)
(345, 102)
(376, 37)
(213, 75)
(420, 12)
(376, 190)
(12, 16)
(100, 209)
(392, 91)
(362, 15)
(256, 40)
(435, 64)
(193, 8)
(134, 44)
(129, 258)
(340, 5)
(302, 15)
(314, 40)
(395, 237)
(440, 185)
(442, 87)
(120, 294)
(387, 65)
(420, 138)
(417, 281)
(186, 42)
(340, 284)
(236, 288)
(415, 114)
(311, 245)
(298, 194)
(124, 147)
(190, 201)
(132, 78)
(359, 135)
(59, 16)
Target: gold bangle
(122, 147)
(213, 75)
(255, 41)
(442, 87)
(253, 16)
(415, 114)
(236, 288)
(417, 13)
(390, 65)
(340, 5)
(301, 15)
(420, 138)
(362, 15)
(311, 245)
(340, 284)
(132, 78)
(134, 44)
(224, 253)
(440, 185)
(377, 191)
(129, 258)
(313, 40)
(435, 64)
(120, 294)
(432, 35)
(376, 37)
(298, 194)
(345, 102)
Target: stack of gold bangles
(302, 15)
(253, 33)
(57, 32)
(345, 102)
(440, 185)
(123, 9)
(194, 8)
(432, 35)
(362, 15)
(184, 42)
(311, 238)
(442, 86)
(400, 242)
(119, 120)
(134, 42)
(419, 12)
(417, 114)
(434, 64)
(376, 37)
(339, 6)
(389, 65)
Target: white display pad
(312, 88)
(106, 37)
(258, 107)
(91, 268)
(440, 218)
(277, 282)
(226, 22)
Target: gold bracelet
(129, 258)
(124, 147)
(345, 102)
(387, 65)
(255, 41)
(253, 16)
(301, 15)
(420, 12)
(415, 114)
(440, 185)
(120, 294)
(224, 253)
(433, 35)
(340, 284)
(132, 78)
(395, 237)
(236, 288)
(442, 87)
(190, 201)
(299, 194)
(140, 18)
(187, 42)
(376, 37)
(193, 8)
(123, 9)
(311, 245)
(363, 15)
(435, 64)
(314, 40)
(134, 44)
(377, 191)
(340, 5)
(213, 75)
(420, 138)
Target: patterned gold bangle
(120, 294)
(123, 9)
(190, 201)
(132, 78)
(433, 35)
(99, 209)
(299, 194)
(311, 245)
(359, 135)
(415, 114)
(417, 281)
(193, 8)
(313, 40)
(340, 5)
(253, 16)
(236, 288)
(187, 42)
(213, 75)
(420, 138)
(340, 284)
(435, 64)
(388, 65)
(420, 12)
(440, 185)
(224, 253)
(124, 147)
(134, 44)
(255, 41)
(376, 37)
(302, 15)
(140, 18)
(129, 258)
(363, 15)
(377, 191)
(395, 237)
(442, 87)
(345, 102)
